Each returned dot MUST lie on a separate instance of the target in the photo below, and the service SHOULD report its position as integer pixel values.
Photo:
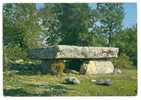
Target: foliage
(26, 27)
(123, 61)
(110, 16)
(126, 40)
(12, 54)
(15, 53)
(20, 26)
(50, 26)
(86, 39)
(74, 19)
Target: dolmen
(99, 58)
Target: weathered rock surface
(73, 52)
(97, 67)
(71, 80)
(103, 82)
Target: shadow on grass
(16, 92)
(51, 90)
(26, 69)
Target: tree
(10, 31)
(110, 17)
(50, 26)
(21, 27)
(20, 31)
(126, 40)
(74, 19)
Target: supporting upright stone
(97, 67)
(52, 66)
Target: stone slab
(73, 52)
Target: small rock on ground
(71, 80)
(102, 82)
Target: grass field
(124, 84)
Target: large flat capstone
(73, 52)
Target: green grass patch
(124, 84)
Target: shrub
(123, 61)
(15, 53)
(11, 54)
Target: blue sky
(130, 14)
(130, 10)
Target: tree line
(25, 26)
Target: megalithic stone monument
(99, 57)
